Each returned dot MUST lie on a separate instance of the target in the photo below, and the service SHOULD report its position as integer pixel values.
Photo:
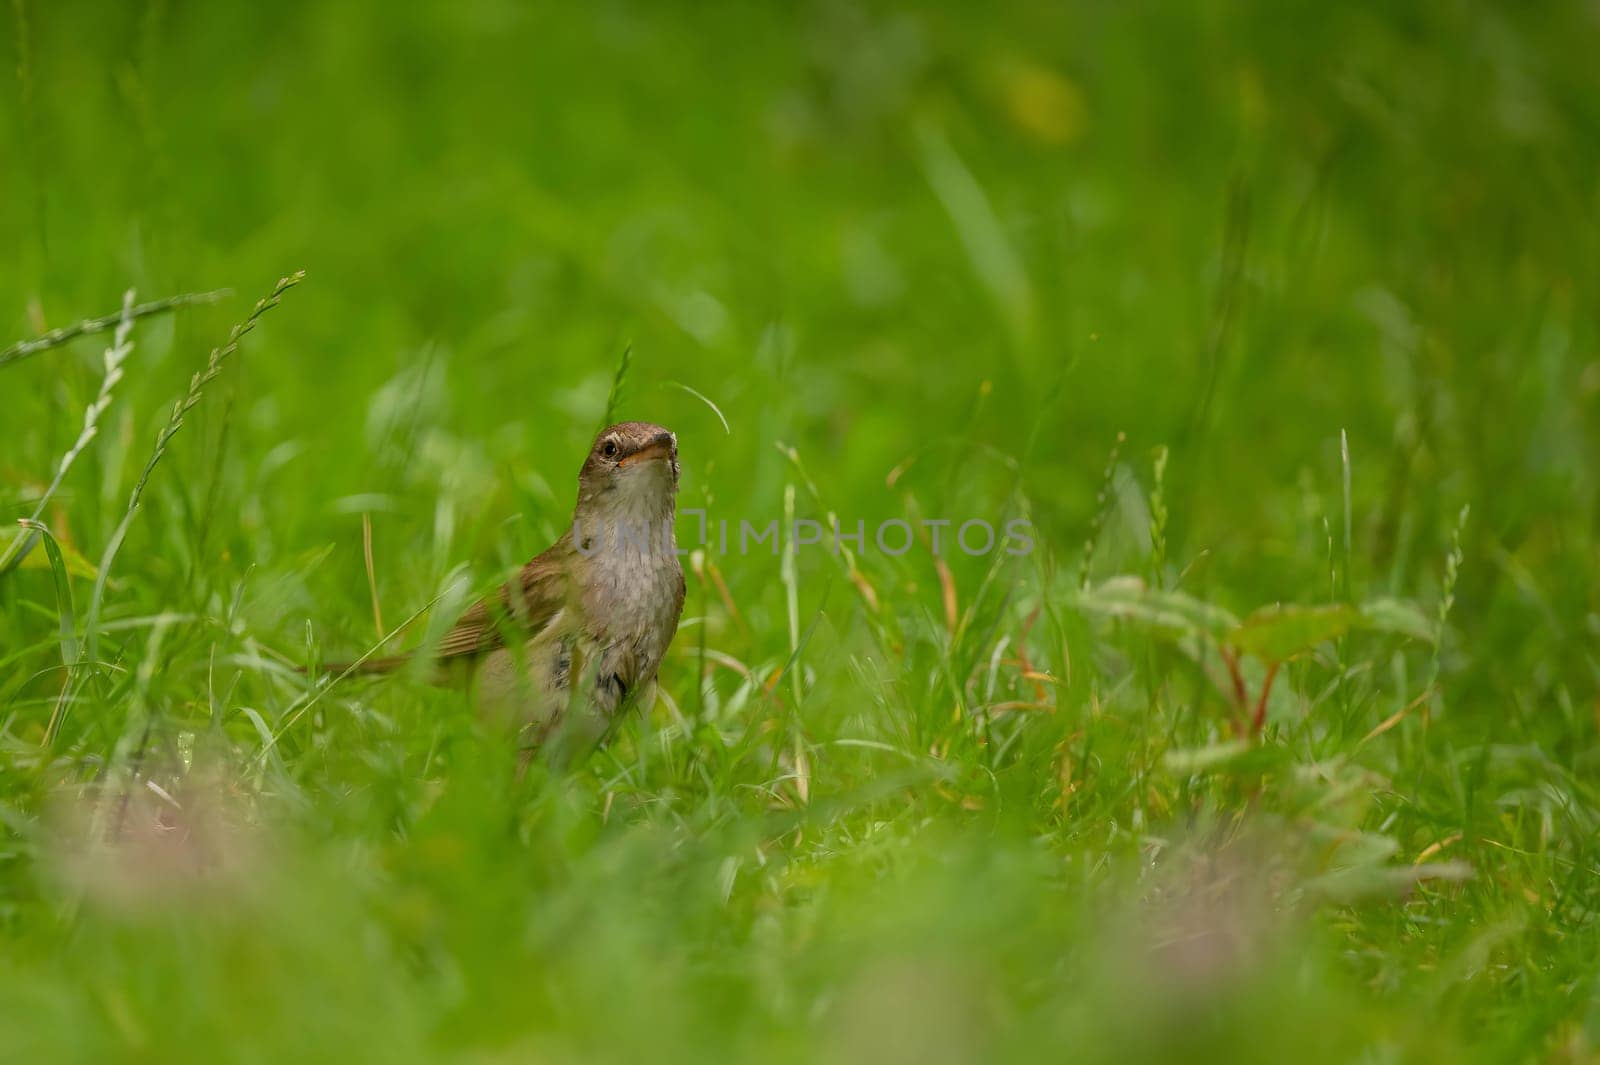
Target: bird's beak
(661, 446)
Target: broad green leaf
(1343, 848)
(1170, 614)
(1397, 616)
(1278, 633)
(1359, 882)
(1237, 757)
(1200, 759)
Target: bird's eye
(609, 449)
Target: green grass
(1240, 306)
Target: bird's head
(632, 470)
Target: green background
(926, 262)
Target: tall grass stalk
(1102, 510)
(197, 385)
(1447, 597)
(121, 347)
(23, 349)
(1158, 518)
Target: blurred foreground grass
(929, 264)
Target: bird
(576, 637)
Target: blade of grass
(614, 398)
(995, 262)
(296, 712)
(703, 399)
(58, 572)
(1344, 461)
(372, 579)
(788, 574)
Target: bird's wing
(524, 604)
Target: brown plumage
(601, 603)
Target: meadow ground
(1276, 323)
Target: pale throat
(632, 519)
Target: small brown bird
(601, 604)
